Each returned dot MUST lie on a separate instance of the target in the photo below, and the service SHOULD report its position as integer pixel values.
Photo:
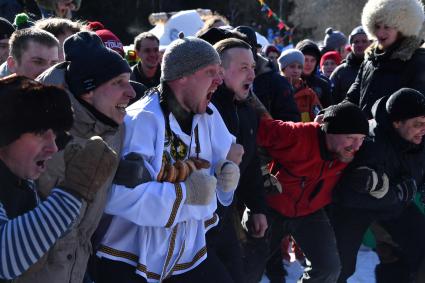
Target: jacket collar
(324, 152)
(402, 49)
(353, 60)
(7, 176)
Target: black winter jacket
(344, 76)
(275, 92)
(241, 121)
(385, 151)
(16, 195)
(321, 87)
(138, 76)
(381, 74)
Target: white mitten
(227, 173)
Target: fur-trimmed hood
(407, 16)
(403, 50)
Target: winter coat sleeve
(26, 238)
(276, 136)
(353, 94)
(154, 203)
(372, 156)
(338, 92)
(278, 98)
(251, 182)
(415, 73)
(326, 98)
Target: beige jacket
(67, 260)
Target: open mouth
(41, 164)
(210, 94)
(246, 86)
(349, 151)
(121, 107)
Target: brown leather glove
(88, 168)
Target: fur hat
(90, 62)
(186, 55)
(345, 118)
(404, 104)
(27, 106)
(334, 39)
(407, 16)
(290, 56)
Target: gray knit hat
(186, 55)
(354, 32)
(407, 16)
(334, 39)
(290, 56)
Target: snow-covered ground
(365, 272)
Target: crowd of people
(209, 161)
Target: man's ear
(11, 64)
(88, 97)
(396, 124)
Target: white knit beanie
(407, 16)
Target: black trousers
(222, 241)
(406, 229)
(211, 270)
(314, 235)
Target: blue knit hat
(290, 56)
(334, 39)
(90, 62)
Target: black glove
(406, 190)
(131, 171)
(366, 180)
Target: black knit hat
(27, 106)
(90, 62)
(345, 118)
(250, 34)
(309, 47)
(404, 104)
(6, 28)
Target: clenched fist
(87, 169)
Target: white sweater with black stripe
(26, 238)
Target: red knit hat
(108, 37)
(332, 55)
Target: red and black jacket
(307, 171)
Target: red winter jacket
(306, 170)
